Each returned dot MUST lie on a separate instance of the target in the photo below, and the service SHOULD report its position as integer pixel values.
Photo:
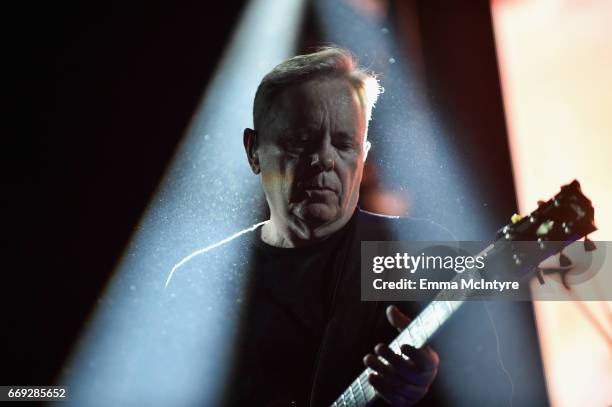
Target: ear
(249, 140)
(366, 148)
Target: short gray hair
(326, 62)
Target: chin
(316, 214)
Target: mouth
(319, 193)
(317, 188)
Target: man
(306, 331)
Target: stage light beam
(153, 346)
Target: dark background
(107, 92)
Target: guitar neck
(360, 393)
(566, 217)
(416, 334)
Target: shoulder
(402, 228)
(227, 253)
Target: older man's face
(311, 154)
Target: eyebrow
(343, 135)
(297, 130)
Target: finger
(397, 362)
(390, 375)
(398, 319)
(390, 392)
(425, 358)
(378, 366)
(396, 394)
(405, 370)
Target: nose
(323, 157)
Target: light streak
(210, 247)
(148, 345)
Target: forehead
(332, 101)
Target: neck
(298, 233)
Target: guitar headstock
(563, 219)
(567, 217)
(555, 224)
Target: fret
(410, 335)
(446, 303)
(432, 320)
(434, 316)
(438, 313)
(407, 335)
(403, 337)
(361, 387)
(355, 390)
(395, 346)
(416, 334)
(444, 310)
(426, 322)
(346, 400)
(366, 391)
(369, 390)
(349, 397)
(422, 331)
(356, 394)
(413, 339)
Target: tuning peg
(564, 281)
(589, 246)
(516, 218)
(564, 261)
(540, 276)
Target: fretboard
(416, 334)
(566, 217)
(360, 392)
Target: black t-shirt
(291, 292)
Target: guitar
(556, 223)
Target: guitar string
(500, 359)
(431, 309)
(424, 333)
(406, 336)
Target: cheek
(350, 171)
(278, 173)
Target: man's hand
(401, 382)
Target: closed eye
(344, 146)
(343, 141)
(297, 143)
